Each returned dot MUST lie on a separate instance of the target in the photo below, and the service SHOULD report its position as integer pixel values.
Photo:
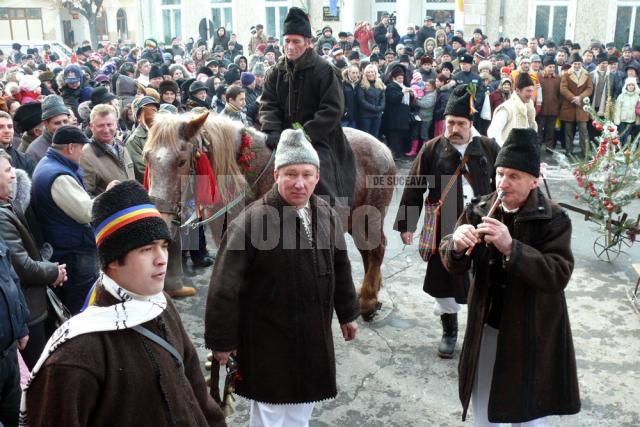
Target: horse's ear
(192, 127)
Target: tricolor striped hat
(124, 219)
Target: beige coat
(101, 166)
(570, 86)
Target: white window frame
(569, 32)
(611, 22)
(222, 6)
(171, 8)
(276, 4)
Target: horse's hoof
(370, 315)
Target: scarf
(132, 310)
(406, 96)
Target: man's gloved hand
(272, 140)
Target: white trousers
(271, 415)
(482, 384)
(445, 305)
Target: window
(171, 19)
(627, 23)
(551, 19)
(21, 23)
(102, 25)
(276, 11)
(222, 14)
(121, 22)
(441, 11)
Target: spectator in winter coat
(425, 105)
(327, 37)
(386, 37)
(249, 82)
(370, 97)
(501, 94)
(29, 89)
(221, 39)
(364, 35)
(550, 87)
(397, 110)
(625, 111)
(169, 94)
(35, 274)
(350, 80)
(54, 115)
(426, 31)
(443, 90)
(410, 39)
(236, 103)
(75, 90)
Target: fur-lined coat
(35, 274)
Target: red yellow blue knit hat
(124, 219)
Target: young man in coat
(517, 364)
(271, 302)
(438, 160)
(304, 88)
(126, 359)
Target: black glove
(272, 140)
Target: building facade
(134, 20)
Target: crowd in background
(395, 86)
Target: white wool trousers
(271, 415)
(445, 306)
(482, 385)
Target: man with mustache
(439, 159)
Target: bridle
(196, 150)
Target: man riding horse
(304, 88)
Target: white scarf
(132, 310)
(406, 96)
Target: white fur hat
(485, 65)
(29, 82)
(294, 148)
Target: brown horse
(172, 144)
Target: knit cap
(295, 148)
(125, 219)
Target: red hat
(261, 47)
(505, 70)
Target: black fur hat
(524, 80)
(459, 104)
(297, 23)
(125, 219)
(520, 151)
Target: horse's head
(170, 155)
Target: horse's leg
(372, 281)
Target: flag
(459, 5)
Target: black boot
(449, 335)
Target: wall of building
(589, 19)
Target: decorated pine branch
(609, 180)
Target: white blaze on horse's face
(296, 183)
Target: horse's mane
(220, 134)
(164, 133)
(223, 136)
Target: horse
(174, 141)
